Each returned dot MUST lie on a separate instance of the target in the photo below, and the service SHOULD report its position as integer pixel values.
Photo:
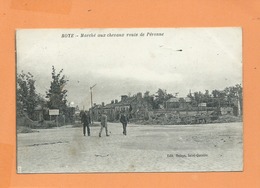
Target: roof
(176, 99)
(187, 99)
(173, 99)
(127, 101)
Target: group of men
(86, 120)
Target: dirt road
(146, 148)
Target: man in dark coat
(124, 120)
(85, 119)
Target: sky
(128, 61)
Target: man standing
(103, 124)
(124, 120)
(85, 119)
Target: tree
(146, 94)
(56, 95)
(199, 97)
(234, 95)
(161, 98)
(26, 94)
(149, 99)
(216, 100)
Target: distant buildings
(136, 107)
(175, 102)
(143, 108)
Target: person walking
(85, 119)
(103, 124)
(124, 121)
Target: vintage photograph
(129, 100)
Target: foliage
(161, 98)
(218, 98)
(69, 114)
(149, 99)
(56, 95)
(22, 129)
(27, 98)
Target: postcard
(129, 100)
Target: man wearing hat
(124, 119)
(85, 118)
(103, 123)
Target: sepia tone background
(18, 14)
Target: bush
(25, 122)
(49, 124)
(22, 129)
(46, 124)
(227, 119)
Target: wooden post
(91, 115)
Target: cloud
(210, 58)
(138, 74)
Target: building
(178, 103)
(135, 106)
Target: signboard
(187, 99)
(53, 112)
(202, 105)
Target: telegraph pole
(238, 104)
(91, 98)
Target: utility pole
(238, 104)
(91, 98)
